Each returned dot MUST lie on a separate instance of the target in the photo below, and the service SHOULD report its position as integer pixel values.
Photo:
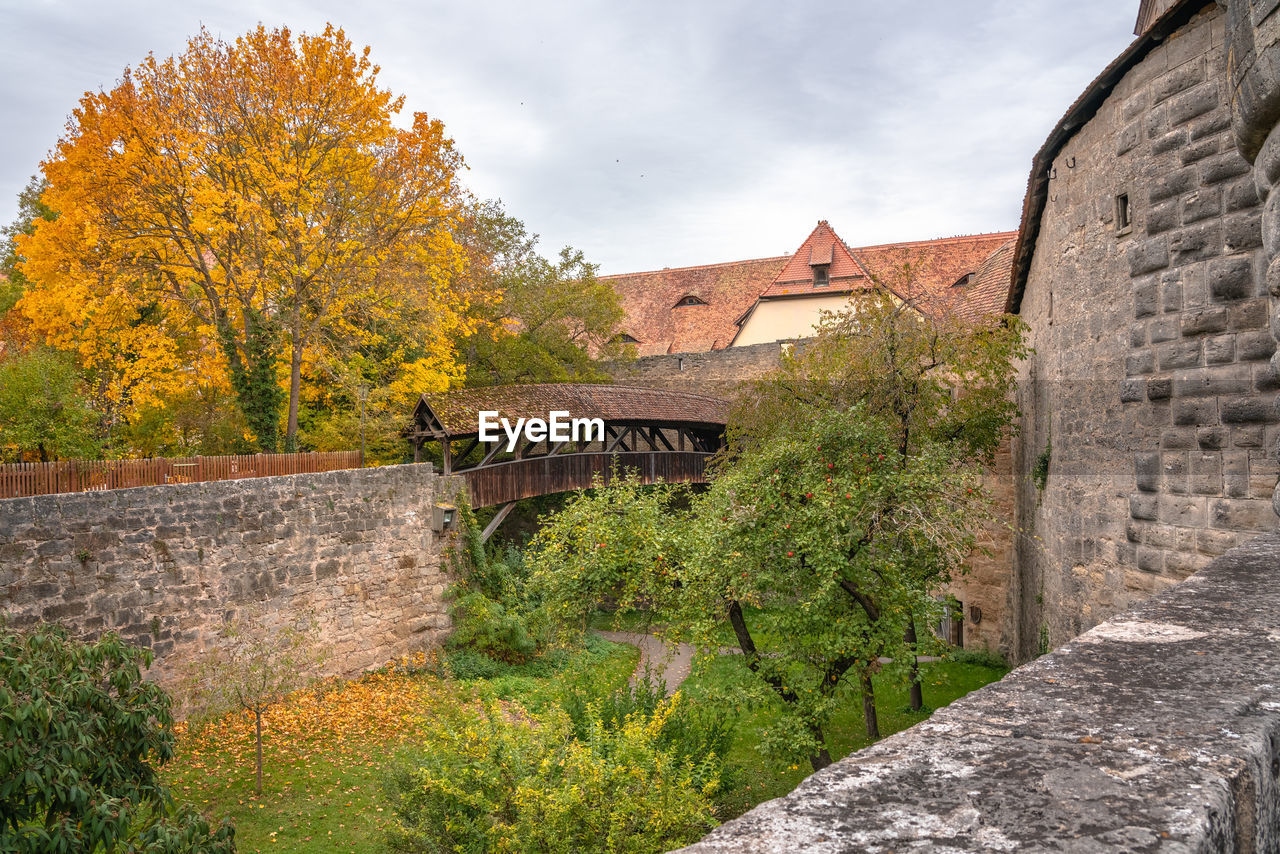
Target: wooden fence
(19, 480)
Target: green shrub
(81, 736)
(487, 627)
(500, 779)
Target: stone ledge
(1156, 731)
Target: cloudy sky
(659, 133)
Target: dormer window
(964, 281)
(624, 338)
(690, 300)
(821, 275)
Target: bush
(81, 737)
(488, 628)
(499, 779)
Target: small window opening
(1124, 221)
(821, 275)
(690, 300)
(964, 281)
(624, 338)
(680, 364)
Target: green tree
(81, 737)
(850, 492)
(42, 410)
(550, 320)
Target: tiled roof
(822, 246)
(913, 269)
(986, 292)
(728, 290)
(457, 412)
(928, 268)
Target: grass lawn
(327, 752)
(760, 778)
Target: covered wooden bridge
(558, 437)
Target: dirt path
(669, 664)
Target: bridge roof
(457, 413)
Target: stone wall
(716, 373)
(1151, 382)
(165, 566)
(1156, 731)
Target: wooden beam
(496, 521)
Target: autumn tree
(850, 492)
(31, 209)
(255, 199)
(548, 320)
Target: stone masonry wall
(1150, 382)
(716, 373)
(165, 566)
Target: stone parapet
(1158, 730)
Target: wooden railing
(19, 480)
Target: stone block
(1240, 195)
(1231, 278)
(1201, 204)
(1172, 82)
(1205, 320)
(1196, 243)
(1212, 381)
(1213, 123)
(1173, 184)
(1182, 511)
(1193, 103)
(1132, 391)
(1252, 314)
(1178, 439)
(1163, 217)
(1159, 389)
(1139, 362)
(1179, 354)
(1248, 410)
(1242, 231)
(1148, 469)
(1255, 346)
(1144, 298)
(1172, 141)
(1199, 412)
(1206, 473)
(1220, 350)
(1212, 438)
(1197, 151)
(1144, 507)
(1171, 294)
(1147, 256)
(1234, 514)
(1224, 167)
(1128, 139)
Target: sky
(661, 133)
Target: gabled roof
(653, 319)
(822, 246)
(456, 414)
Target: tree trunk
(257, 729)
(295, 384)
(822, 758)
(869, 707)
(917, 696)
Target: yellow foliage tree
(241, 210)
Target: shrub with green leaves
(500, 779)
(491, 612)
(81, 738)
